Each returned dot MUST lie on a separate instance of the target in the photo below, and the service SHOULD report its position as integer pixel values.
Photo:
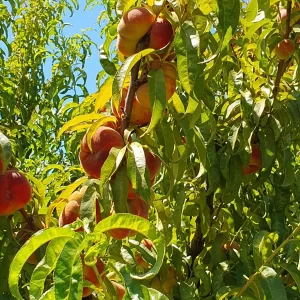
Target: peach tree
(178, 178)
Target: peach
(119, 288)
(75, 196)
(153, 163)
(134, 24)
(102, 141)
(230, 246)
(281, 17)
(90, 275)
(255, 161)
(169, 71)
(161, 33)
(138, 258)
(139, 114)
(71, 212)
(15, 192)
(285, 49)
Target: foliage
(218, 233)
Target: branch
(253, 276)
(134, 84)
(28, 220)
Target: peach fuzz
(102, 141)
(15, 192)
(161, 33)
(134, 24)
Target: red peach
(15, 192)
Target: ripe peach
(169, 71)
(139, 115)
(161, 33)
(102, 141)
(90, 275)
(71, 212)
(138, 258)
(255, 161)
(131, 192)
(119, 288)
(134, 24)
(285, 49)
(75, 196)
(15, 192)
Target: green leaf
(88, 203)
(45, 267)
(157, 94)
(251, 10)
(68, 272)
(139, 224)
(120, 190)
(111, 165)
(229, 13)
(272, 285)
(107, 65)
(187, 56)
(37, 240)
(258, 245)
(137, 171)
(5, 152)
(207, 6)
(294, 272)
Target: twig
(253, 276)
(28, 219)
(134, 84)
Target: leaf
(111, 165)
(68, 272)
(5, 152)
(120, 190)
(294, 272)
(207, 6)
(137, 171)
(78, 120)
(104, 94)
(45, 267)
(123, 72)
(108, 66)
(157, 94)
(251, 11)
(139, 224)
(88, 203)
(187, 56)
(37, 240)
(272, 285)
(229, 12)
(258, 245)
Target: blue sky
(83, 19)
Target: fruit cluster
(286, 47)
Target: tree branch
(134, 84)
(28, 220)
